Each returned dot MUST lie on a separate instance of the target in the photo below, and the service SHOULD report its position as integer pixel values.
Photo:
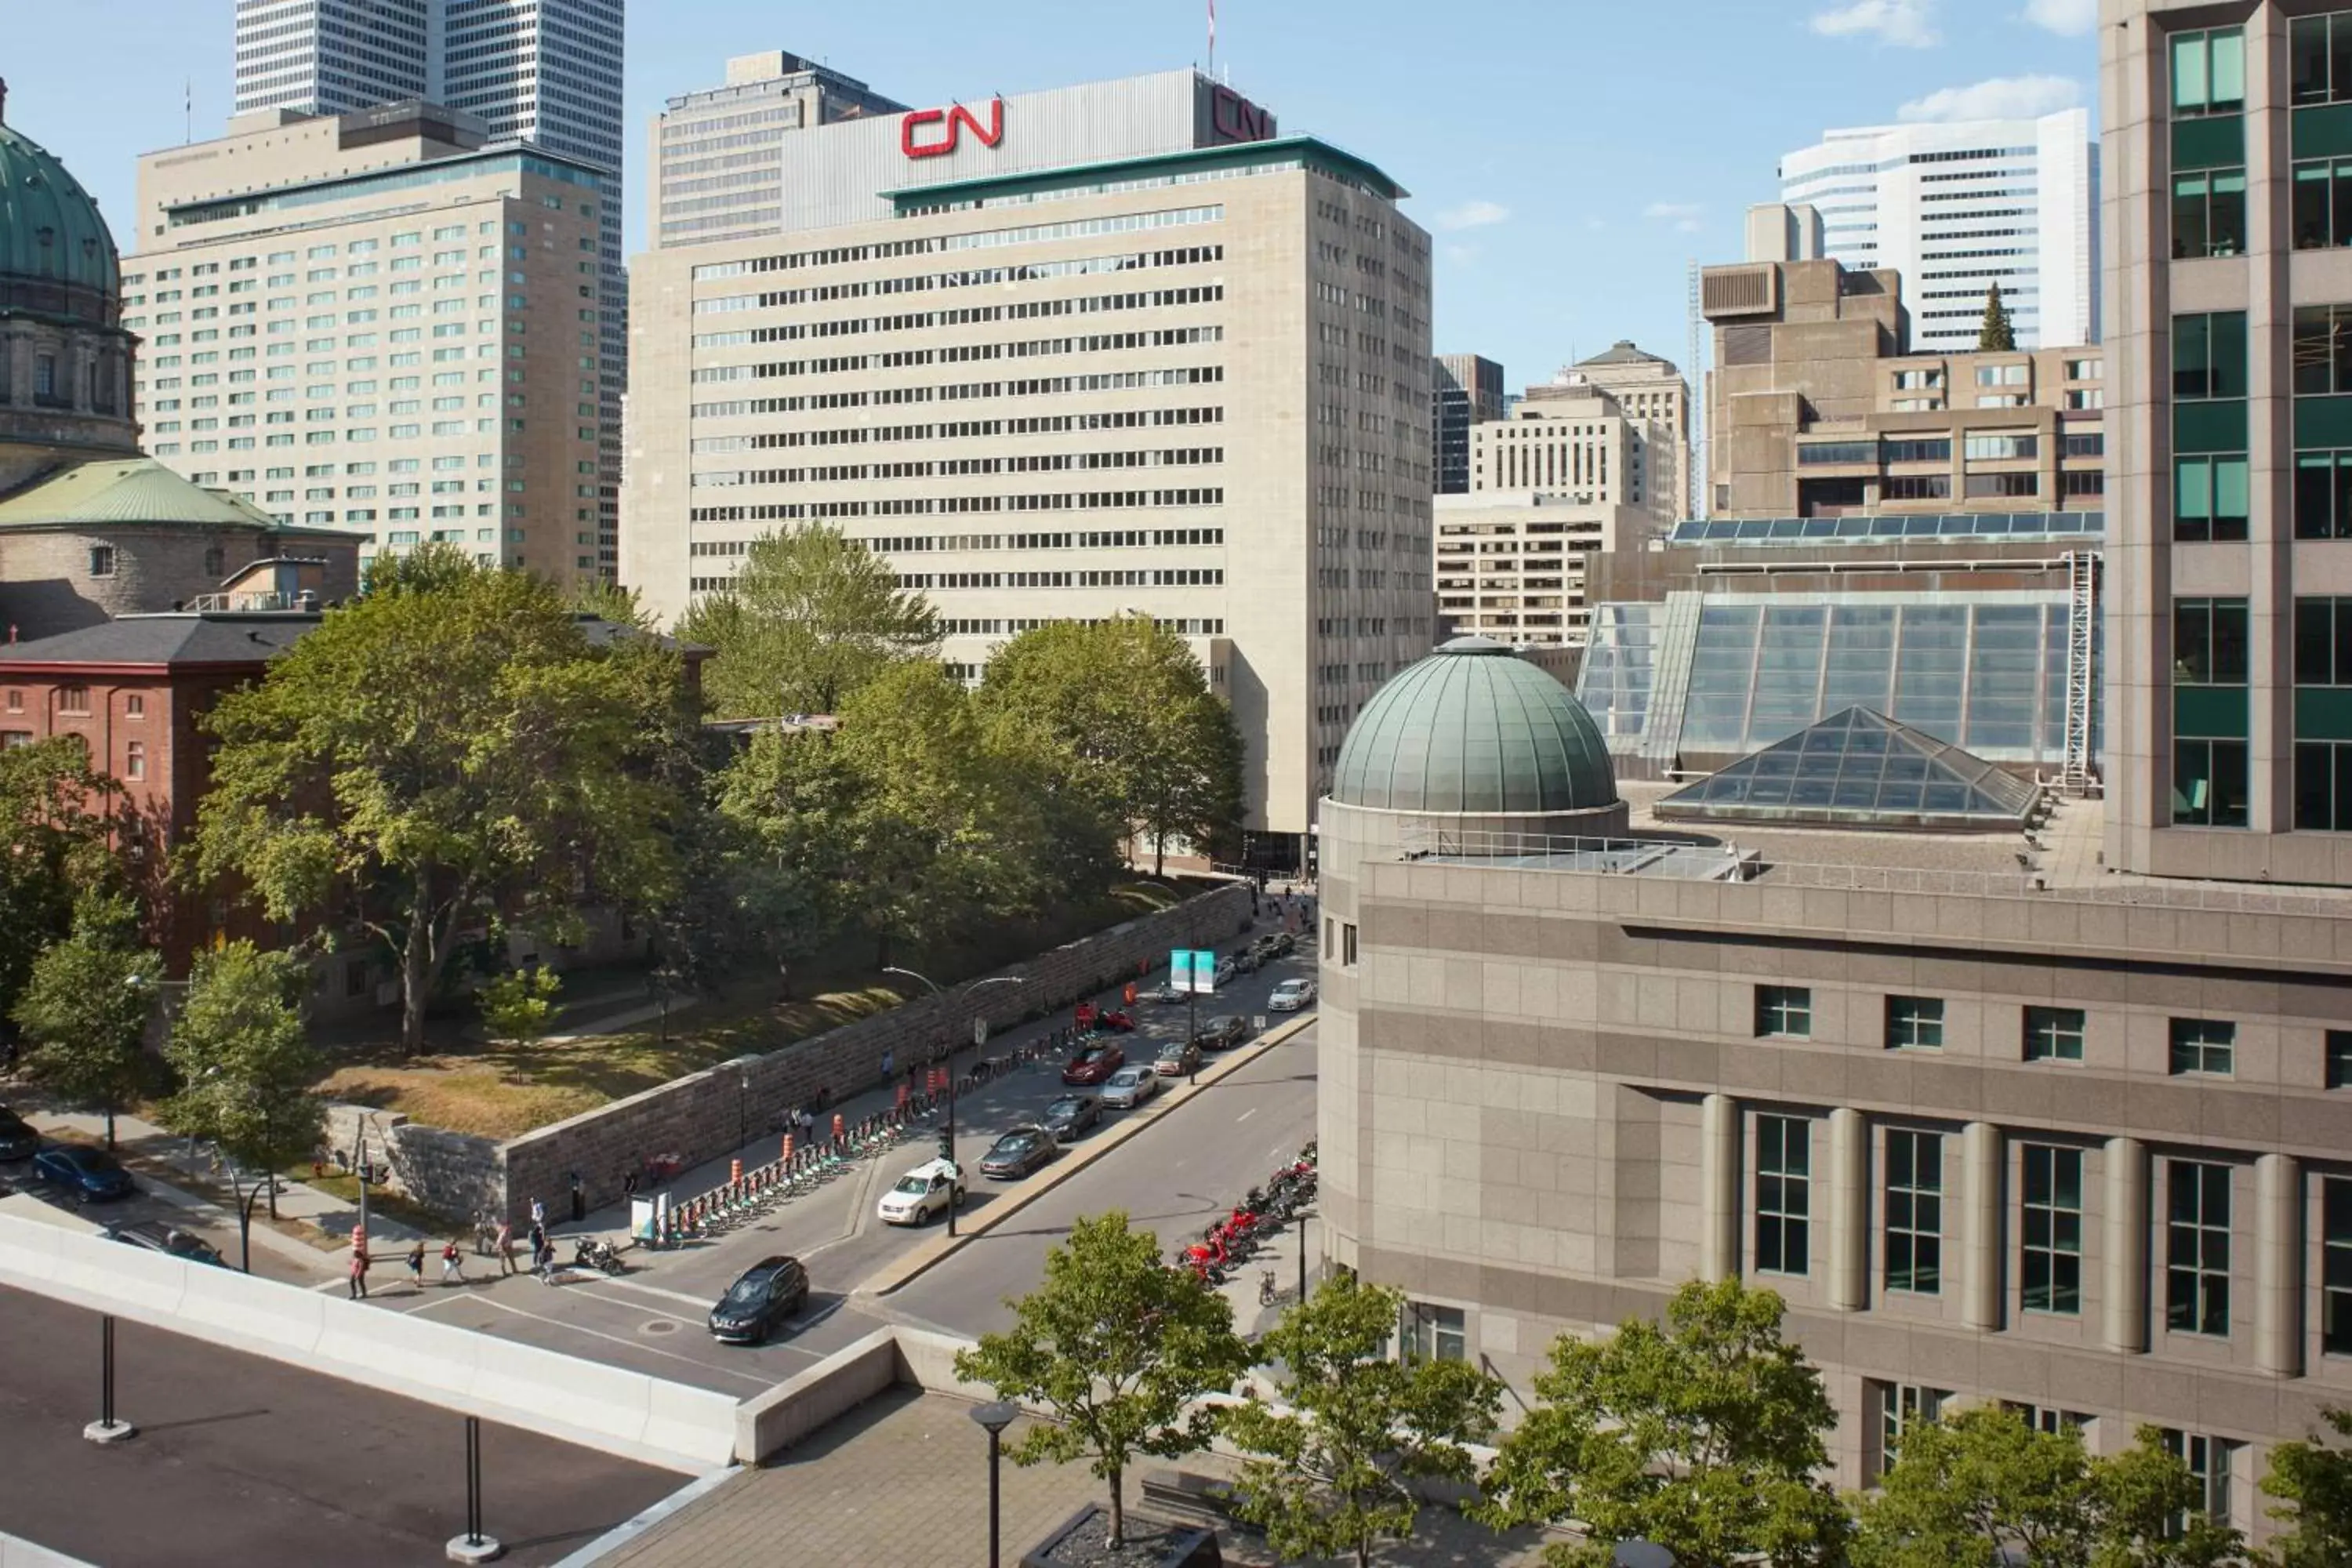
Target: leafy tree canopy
(243, 1061)
(1116, 1347)
(446, 750)
(2313, 1480)
(1995, 335)
(812, 617)
(84, 1008)
(54, 844)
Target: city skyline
(1535, 275)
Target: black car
(1071, 1115)
(1277, 944)
(168, 1239)
(1017, 1153)
(17, 1140)
(1248, 960)
(1223, 1033)
(769, 1292)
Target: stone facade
(705, 1114)
(47, 584)
(1551, 1096)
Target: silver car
(1130, 1086)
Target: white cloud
(1472, 215)
(2002, 97)
(1905, 23)
(1684, 216)
(2071, 18)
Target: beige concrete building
(1514, 566)
(1092, 351)
(1656, 401)
(1816, 409)
(1998, 1121)
(714, 152)
(380, 323)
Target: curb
(922, 1259)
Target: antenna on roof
(188, 109)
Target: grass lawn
(502, 1091)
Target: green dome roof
(1475, 728)
(56, 259)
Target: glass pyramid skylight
(1858, 768)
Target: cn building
(1118, 349)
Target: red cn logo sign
(1236, 119)
(917, 139)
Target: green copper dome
(56, 259)
(1475, 728)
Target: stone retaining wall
(451, 1173)
(704, 1115)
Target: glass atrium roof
(1886, 527)
(1860, 769)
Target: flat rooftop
(240, 1459)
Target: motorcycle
(591, 1252)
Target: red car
(1115, 1021)
(1094, 1063)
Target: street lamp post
(995, 1417)
(742, 1109)
(947, 1142)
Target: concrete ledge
(796, 1407)
(596, 1407)
(918, 1260)
(16, 1552)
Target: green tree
(1351, 1429)
(1995, 335)
(55, 820)
(518, 1006)
(246, 1067)
(812, 618)
(2152, 1512)
(1118, 1347)
(436, 757)
(85, 1009)
(1128, 708)
(1703, 1434)
(1967, 1489)
(2314, 1479)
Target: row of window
(2206, 1047)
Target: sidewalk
(297, 1201)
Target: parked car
(1178, 1057)
(929, 1190)
(1281, 943)
(18, 1138)
(1223, 972)
(1071, 1115)
(1166, 991)
(1130, 1087)
(1291, 995)
(1115, 1021)
(766, 1294)
(89, 1174)
(1093, 1064)
(1246, 962)
(1223, 1032)
(1021, 1151)
(168, 1239)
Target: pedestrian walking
(483, 1231)
(538, 1216)
(579, 1199)
(628, 1186)
(542, 1261)
(416, 1264)
(453, 1263)
(359, 1273)
(889, 1065)
(505, 1248)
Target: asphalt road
(1172, 1178)
(651, 1318)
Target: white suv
(923, 1192)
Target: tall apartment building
(547, 72)
(379, 321)
(1956, 208)
(1465, 390)
(1655, 399)
(715, 152)
(1103, 350)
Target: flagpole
(1212, 39)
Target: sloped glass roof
(1857, 768)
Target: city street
(1196, 1160)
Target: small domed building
(89, 529)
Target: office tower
(1465, 390)
(1103, 350)
(379, 321)
(1651, 395)
(714, 152)
(1956, 208)
(542, 71)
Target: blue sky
(1570, 155)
